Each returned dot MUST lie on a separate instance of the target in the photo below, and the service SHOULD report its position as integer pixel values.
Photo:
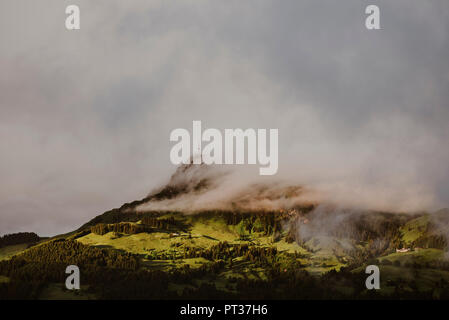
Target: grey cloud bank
(85, 115)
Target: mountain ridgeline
(263, 242)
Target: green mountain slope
(304, 251)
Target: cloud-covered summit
(85, 115)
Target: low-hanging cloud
(85, 115)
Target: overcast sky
(85, 115)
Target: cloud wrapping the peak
(85, 116)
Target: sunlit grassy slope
(420, 256)
(9, 251)
(414, 229)
(206, 232)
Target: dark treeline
(267, 222)
(149, 224)
(225, 251)
(30, 271)
(220, 251)
(438, 241)
(160, 223)
(73, 252)
(118, 216)
(18, 238)
(125, 227)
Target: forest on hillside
(242, 268)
